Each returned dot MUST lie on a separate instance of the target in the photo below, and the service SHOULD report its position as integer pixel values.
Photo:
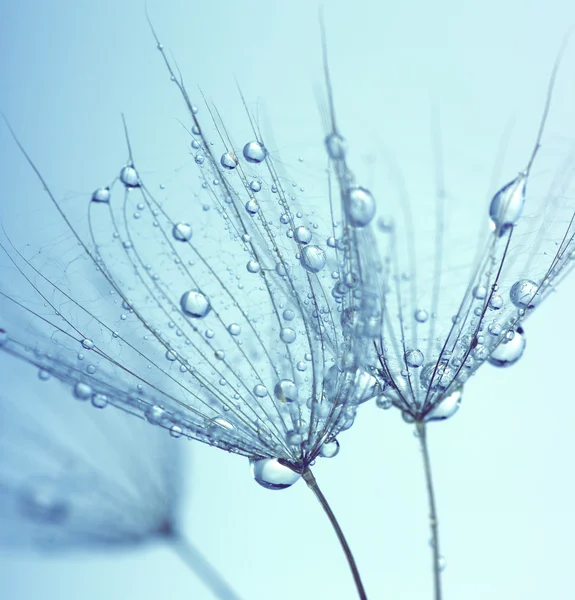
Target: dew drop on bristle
(229, 161)
(195, 304)
(507, 205)
(82, 391)
(129, 177)
(359, 206)
(524, 294)
(271, 474)
(421, 315)
(182, 232)
(287, 335)
(446, 408)
(336, 146)
(254, 152)
(302, 235)
(508, 353)
(329, 449)
(312, 259)
(101, 195)
(496, 302)
(255, 185)
(414, 358)
(285, 390)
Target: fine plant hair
(226, 309)
(73, 478)
(443, 320)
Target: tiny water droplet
(82, 391)
(255, 185)
(253, 266)
(287, 335)
(101, 195)
(182, 232)
(421, 315)
(234, 329)
(129, 177)
(507, 205)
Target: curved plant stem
(432, 510)
(312, 484)
(197, 562)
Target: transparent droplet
(329, 449)
(287, 335)
(421, 315)
(508, 353)
(507, 204)
(446, 408)
(88, 344)
(254, 152)
(271, 474)
(253, 266)
(288, 314)
(101, 195)
(252, 206)
(312, 259)
(195, 304)
(496, 302)
(229, 161)
(440, 375)
(524, 294)
(155, 414)
(234, 329)
(383, 402)
(82, 391)
(255, 185)
(359, 206)
(260, 391)
(176, 431)
(479, 292)
(129, 177)
(302, 235)
(99, 401)
(336, 146)
(182, 232)
(414, 358)
(285, 390)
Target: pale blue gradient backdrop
(504, 464)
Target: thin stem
(199, 564)
(434, 526)
(312, 484)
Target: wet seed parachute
(227, 309)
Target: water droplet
(176, 431)
(88, 344)
(383, 402)
(312, 259)
(253, 266)
(446, 408)
(414, 358)
(508, 353)
(229, 161)
(155, 414)
(99, 401)
(336, 146)
(507, 204)
(260, 391)
(287, 335)
(285, 390)
(359, 206)
(129, 177)
(496, 302)
(329, 449)
(302, 235)
(440, 375)
(288, 314)
(255, 185)
(479, 292)
(101, 195)
(254, 152)
(234, 329)
(421, 315)
(271, 474)
(182, 232)
(82, 391)
(252, 206)
(524, 294)
(195, 304)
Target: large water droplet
(82, 391)
(359, 206)
(414, 358)
(507, 204)
(182, 232)
(302, 235)
(285, 390)
(254, 152)
(101, 195)
(129, 177)
(508, 353)
(195, 304)
(229, 161)
(312, 259)
(287, 335)
(524, 294)
(446, 408)
(329, 449)
(271, 474)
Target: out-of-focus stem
(421, 430)
(197, 562)
(312, 484)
